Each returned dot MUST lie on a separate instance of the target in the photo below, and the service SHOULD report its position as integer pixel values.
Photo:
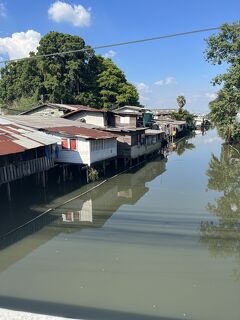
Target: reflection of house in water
(96, 207)
(91, 210)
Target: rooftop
(68, 107)
(150, 132)
(81, 108)
(37, 122)
(81, 132)
(16, 138)
(124, 129)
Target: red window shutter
(65, 143)
(73, 144)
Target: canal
(159, 242)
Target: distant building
(162, 113)
(173, 127)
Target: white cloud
(159, 83)
(166, 81)
(211, 95)
(143, 88)
(110, 54)
(20, 44)
(75, 14)
(2, 10)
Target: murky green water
(162, 242)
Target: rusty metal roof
(81, 132)
(17, 138)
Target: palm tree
(181, 101)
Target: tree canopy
(182, 114)
(81, 77)
(181, 101)
(225, 48)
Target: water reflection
(223, 235)
(183, 146)
(92, 210)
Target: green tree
(225, 48)
(113, 86)
(181, 101)
(81, 77)
(182, 114)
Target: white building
(88, 115)
(78, 145)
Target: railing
(24, 168)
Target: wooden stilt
(87, 178)
(104, 168)
(9, 192)
(64, 174)
(43, 179)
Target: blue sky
(161, 70)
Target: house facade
(24, 151)
(78, 145)
(124, 119)
(137, 142)
(89, 116)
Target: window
(65, 144)
(73, 144)
(124, 119)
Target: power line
(112, 45)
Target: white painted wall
(94, 118)
(108, 151)
(88, 151)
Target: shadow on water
(223, 236)
(73, 311)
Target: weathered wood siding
(22, 169)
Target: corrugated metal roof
(150, 132)
(124, 129)
(81, 109)
(82, 132)
(51, 105)
(37, 122)
(17, 138)
(127, 113)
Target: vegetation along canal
(159, 242)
